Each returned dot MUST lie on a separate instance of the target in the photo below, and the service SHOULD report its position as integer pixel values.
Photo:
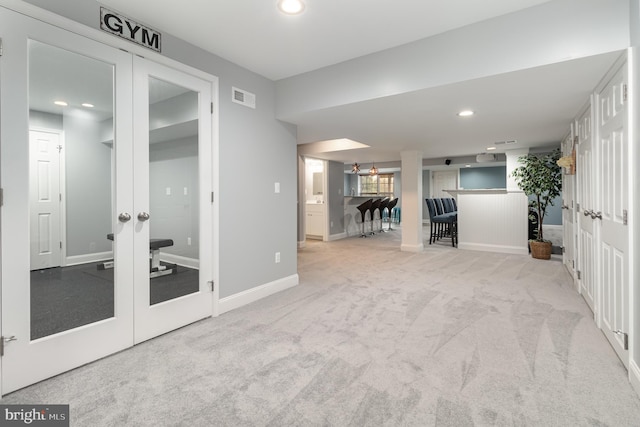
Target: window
(376, 184)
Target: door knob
(587, 212)
(124, 217)
(595, 215)
(143, 216)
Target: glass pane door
(66, 258)
(172, 184)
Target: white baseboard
(494, 248)
(338, 236)
(254, 294)
(411, 248)
(634, 376)
(180, 260)
(87, 258)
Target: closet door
(612, 212)
(173, 198)
(60, 307)
(568, 206)
(586, 187)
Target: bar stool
(439, 221)
(392, 204)
(381, 208)
(363, 208)
(372, 210)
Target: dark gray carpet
(64, 298)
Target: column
(411, 200)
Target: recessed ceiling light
(491, 148)
(87, 105)
(466, 113)
(61, 103)
(291, 7)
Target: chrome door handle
(565, 207)
(595, 215)
(587, 212)
(143, 216)
(124, 217)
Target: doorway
(115, 228)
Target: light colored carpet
(372, 337)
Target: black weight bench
(156, 268)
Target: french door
(137, 184)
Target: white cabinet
(315, 220)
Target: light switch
(168, 191)
(277, 187)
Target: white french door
(138, 183)
(47, 327)
(568, 184)
(172, 188)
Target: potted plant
(540, 176)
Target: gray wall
(256, 150)
(483, 178)
(88, 187)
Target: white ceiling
(533, 106)
(254, 35)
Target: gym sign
(129, 29)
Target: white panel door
(59, 318)
(568, 203)
(444, 180)
(612, 212)
(586, 180)
(45, 198)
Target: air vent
(243, 97)
(485, 158)
(512, 141)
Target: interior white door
(45, 198)
(444, 180)
(47, 329)
(612, 212)
(568, 204)
(173, 198)
(585, 179)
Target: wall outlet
(188, 241)
(186, 191)
(276, 187)
(168, 191)
(277, 257)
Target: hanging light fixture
(373, 170)
(355, 168)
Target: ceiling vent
(243, 97)
(485, 158)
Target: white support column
(411, 200)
